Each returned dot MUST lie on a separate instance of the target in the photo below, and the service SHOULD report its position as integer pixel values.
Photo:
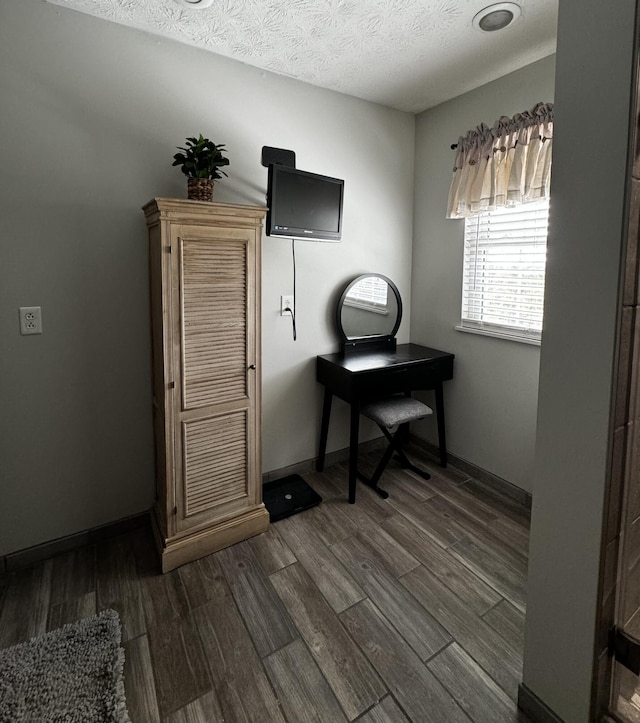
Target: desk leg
(442, 442)
(324, 429)
(353, 450)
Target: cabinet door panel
(214, 463)
(213, 299)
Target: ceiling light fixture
(194, 4)
(497, 17)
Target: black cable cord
(293, 311)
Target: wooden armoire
(205, 261)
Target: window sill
(374, 308)
(500, 335)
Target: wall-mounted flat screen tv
(304, 205)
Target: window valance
(504, 165)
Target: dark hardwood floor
(386, 611)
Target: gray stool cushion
(395, 410)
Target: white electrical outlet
(286, 302)
(30, 320)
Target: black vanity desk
(361, 375)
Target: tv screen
(304, 205)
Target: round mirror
(369, 308)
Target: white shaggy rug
(70, 675)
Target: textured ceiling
(406, 54)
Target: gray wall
(593, 89)
(492, 400)
(91, 115)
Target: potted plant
(200, 162)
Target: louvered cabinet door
(214, 352)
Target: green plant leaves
(201, 158)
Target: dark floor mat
(286, 496)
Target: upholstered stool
(388, 413)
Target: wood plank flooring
(386, 611)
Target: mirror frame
(378, 341)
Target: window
(504, 266)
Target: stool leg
(406, 464)
(396, 445)
(373, 480)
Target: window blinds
(504, 269)
(369, 293)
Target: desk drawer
(405, 378)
